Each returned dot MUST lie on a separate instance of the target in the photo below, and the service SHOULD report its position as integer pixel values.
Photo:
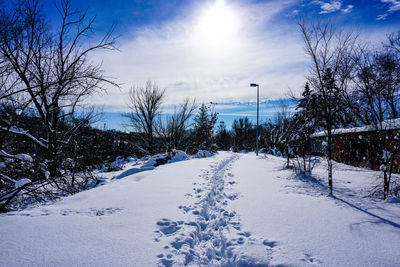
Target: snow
(121, 161)
(230, 209)
(382, 168)
(159, 159)
(386, 155)
(16, 130)
(202, 154)
(393, 124)
(392, 199)
(22, 182)
(308, 226)
(131, 165)
(178, 155)
(24, 157)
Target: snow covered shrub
(395, 188)
(161, 159)
(303, 165)
(203, 154)
(119, 163)
(25, 181)
(170, 157)
(18, 176)
(178, 155)
(379, 191)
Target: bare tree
(145, 105)
(47, 71)
(330, 52)
(284, 128)
(50, 69)
(376, 87)
(174, 128)
(394, 41)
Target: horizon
(227, 113)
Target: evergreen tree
(204, 123)
(305, 123)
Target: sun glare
(217, 26)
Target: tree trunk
(287, 158)
(52, 154)
(330, 162)
(385, 185)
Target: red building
(368, 146)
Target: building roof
(393, 124)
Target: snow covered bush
(202, 154)
(17, 175)
(119, 163)
(164, 158)
(303, 165)
(178, 155)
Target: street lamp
(258, 89)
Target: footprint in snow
(246, 234)
(270, 244)
(241, 240)
(91, 211)
(229, 214)
(168, 227)
(166, 262)
(310, 259)
(236, 225)
(184, 208)
(232, 197)
(198, 190)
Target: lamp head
(253, 85)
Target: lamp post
(258, 89)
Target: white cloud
(186, 63)
(293, 13)
(382, 17)
(348, 9)
(394, 5)
(330, 7)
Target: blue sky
(227, 113)
(212, 50)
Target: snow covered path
(227, 210)
(211, 235)
(305, 226)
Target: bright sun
(217, 26)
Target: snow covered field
(227, 210)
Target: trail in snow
(217, 212)
(212, 235)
